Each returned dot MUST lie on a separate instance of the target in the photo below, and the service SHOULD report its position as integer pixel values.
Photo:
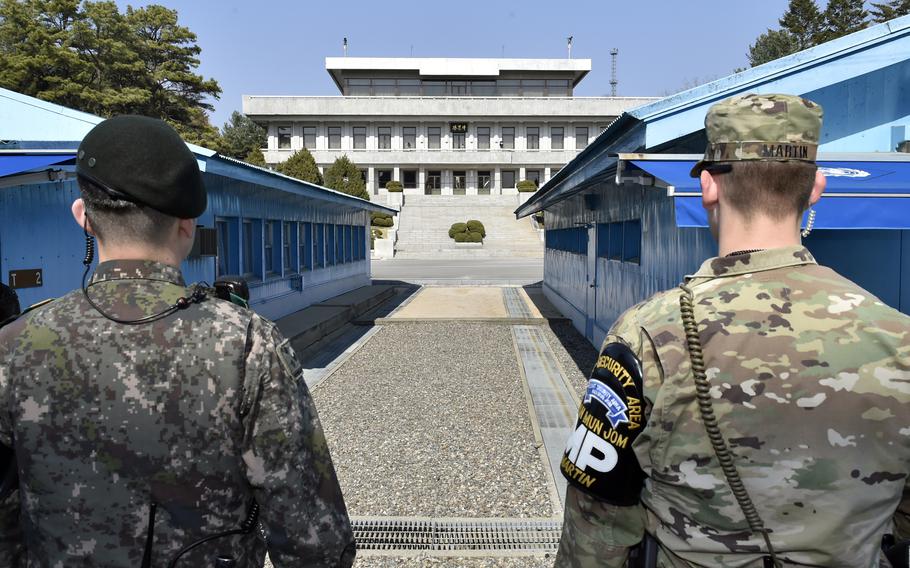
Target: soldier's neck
(760, 232)
(128, 252)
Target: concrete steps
(425, 222)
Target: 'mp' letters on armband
(599, 459)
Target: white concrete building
(442, 126)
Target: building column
(421, 180)
(447, 182)
(497, 182)
(522, 172)
(396, 173)
(371, 180)
(546, 175)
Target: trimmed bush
(476, 226)
(394, 186)
(461, 237)
(474, 237)
(457, 228)
(381, 219)
(526, 185)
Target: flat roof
(456, 67)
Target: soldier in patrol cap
(767, 373)
(146, 416)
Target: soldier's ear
(81, 218)
(818, 187)
(709, 190)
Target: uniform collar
(722, 266)
(137, 269)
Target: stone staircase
(425, 220)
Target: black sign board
(458, 127)
(28, 278)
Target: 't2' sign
(28, 278)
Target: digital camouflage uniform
(810, 382)
(201, 412)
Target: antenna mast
(570, 46)
(345, 47)
(613, 82)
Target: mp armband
(599, 459)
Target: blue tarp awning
(17, 163)
(864, 191)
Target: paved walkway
(499, 271)
(446, 423)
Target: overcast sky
(278, 47)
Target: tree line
(805, 25)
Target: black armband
(599, 459)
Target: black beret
(143, 160)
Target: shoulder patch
(599, 458)
(288, 359)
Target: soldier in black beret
(147, 417)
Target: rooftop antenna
(345, 47)
(570, 46)
(503, 50)
(613, 82)
(412, 50)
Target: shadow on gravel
(404, 292)
(583, 354)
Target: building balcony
(419, 158)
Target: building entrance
(459, 182)
(433, 185)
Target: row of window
(261, 248)
(453, 88)
(620, 241)
(485, 180)
(483, 138)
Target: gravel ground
(576, 355)
(396, 562)
(430, 419)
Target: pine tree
(302, 165)
(240, 135)
(882, 12)
(256, 158)
(344, 176)
(772, 45)
(843, 17)
(804, 21)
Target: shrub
(381, 219)
(474, 237)
(457, 228)
(476, 227)
(461, 237)
(394, 186)
(302, 166)
(526, 185)
(343, 168)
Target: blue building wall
(37, 231)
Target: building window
(334, 138)
(581, 137)
(483, 88)
(226, 263)
(533, 137)
(318, 245)
(284, 137)
(339, 244)
(556, 137)
(383, 177)
(358, 87)
(309, 137)
(385, 137)
(532, 87)
(614, 247)
(268, 247)
(508, 138)
(409, 87)
(533, 175)
(286, 246)
(409, 179)
(434, 134)
(384, 87)
(573, 240)
(631, 241)
(409, 137)
(248, 248)
(434, 182)
(484, 182)
(360, 137)
(459, 180)
(483, 137)
(509, 87)
(458, 140)
(558, 88)
(508, 179)
(305, 246)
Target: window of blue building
(306, 247)
(329, 244)
(271, 253)
(573, 240)
(288, 261)
(631, 241)
(228, 246)
(348, 244)
(247, 267)
(319, 245)
(614, 249)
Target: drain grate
(515, 304)
(457, 535)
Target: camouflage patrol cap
(761, 127)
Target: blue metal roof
(860, 194)
(11, 164)
(657, 125)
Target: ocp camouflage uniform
(196, 412)
(810, 380)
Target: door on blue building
(591, 296)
